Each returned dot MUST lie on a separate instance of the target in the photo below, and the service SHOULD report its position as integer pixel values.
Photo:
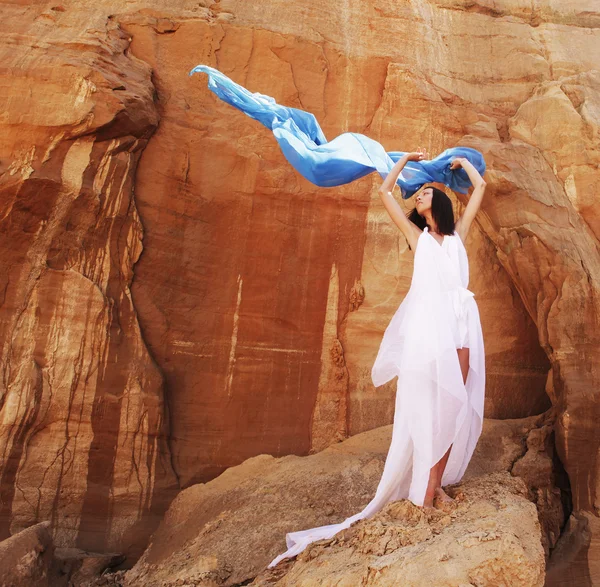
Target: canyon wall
(177, 299)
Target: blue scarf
(347, 157)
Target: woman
(433, 218)
(434, 345)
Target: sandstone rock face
(176, 299)
(83, 422)
(26, 559)
(29, 558)
(226, 531)
(273, 288)
(482, 541)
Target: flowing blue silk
(347, 157)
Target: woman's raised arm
(410, 230)
(464, 222)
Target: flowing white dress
(434, 408)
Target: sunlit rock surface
(502, 525)
(176, 299)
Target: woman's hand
(456, 163)
(419, 155)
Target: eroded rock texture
(83, 424)
(28, 558)
(273, 288)
(176, 299)
(482, 541)
(226, 531)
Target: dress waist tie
(460, 297)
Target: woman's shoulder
(458, 237)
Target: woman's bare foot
(441, 494)
(428, 506)
(442, 498)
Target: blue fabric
(347, 157)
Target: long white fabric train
(433, 408)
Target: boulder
(226, 531)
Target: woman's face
(423, 201)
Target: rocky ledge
(501, 529)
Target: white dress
(434, 408)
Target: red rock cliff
(176, 299)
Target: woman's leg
(437, 471)
(463, 359)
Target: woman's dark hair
(441, 210)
